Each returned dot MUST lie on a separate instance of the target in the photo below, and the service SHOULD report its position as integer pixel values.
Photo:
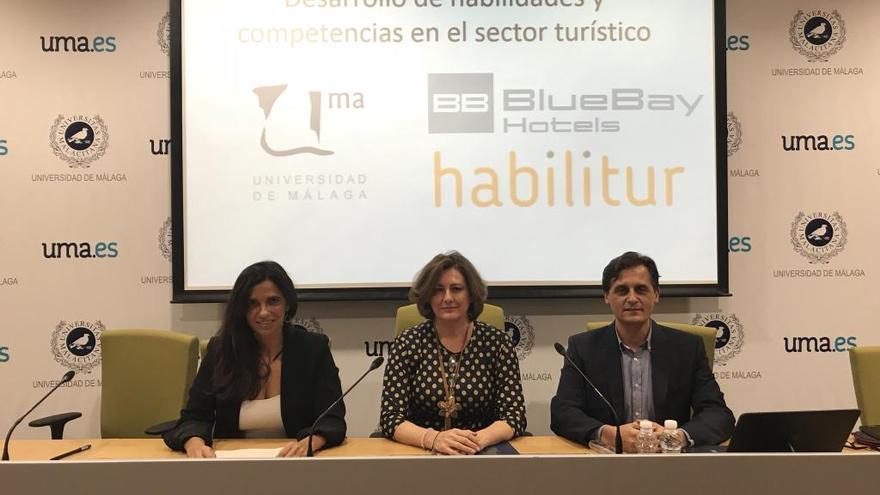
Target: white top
(261, 418)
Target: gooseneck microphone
(375, 364)
(64, 379)
(618, 442)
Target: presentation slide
(353, 140)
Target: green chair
(706, 333)
(408, 316)
(865, 364)
(146, 375)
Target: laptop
(871, 431)
(793, 431)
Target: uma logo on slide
(460, 103)
(268, 95)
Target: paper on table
(247, 453)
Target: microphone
(375, 364)
(64, 379)
(618, 442)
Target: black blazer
(681, 378)
(309, 384)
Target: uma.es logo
(819, 344)
(78, 44)
(460, 103)
(739, 244)
(80, 250)
(160, 146)
(737, 42)
(808, 142)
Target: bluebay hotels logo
(818, 236)
(521, 333)
(460, 103)
(79, 140)
(729, 334)
(817, 34)
(163, 34)
(77, 345)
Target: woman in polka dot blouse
(452, 383)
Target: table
(365, 465)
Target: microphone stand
(375, 364)
(64, 379)
(618, 441)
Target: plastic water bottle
(669, 439)
(646, 443)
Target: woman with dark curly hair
(452, 383)
(261, 376)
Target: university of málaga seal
(521, 334)
(729, 334)
(77, 345)
(734, 134)
(165, 239)
(310, 324)
(818, 236)
(163, 34)
(817, 34)
(79, 140)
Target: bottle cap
(670, 424)
(645, 424)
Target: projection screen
(352, 140)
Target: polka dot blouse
(487, 386)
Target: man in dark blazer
(647, 371)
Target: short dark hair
(625, 261)
(239, 371)
(423, 286)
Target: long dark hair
(239, 372)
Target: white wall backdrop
(802, 221)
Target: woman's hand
(455, 441)
(299, 448)
(196, 449)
